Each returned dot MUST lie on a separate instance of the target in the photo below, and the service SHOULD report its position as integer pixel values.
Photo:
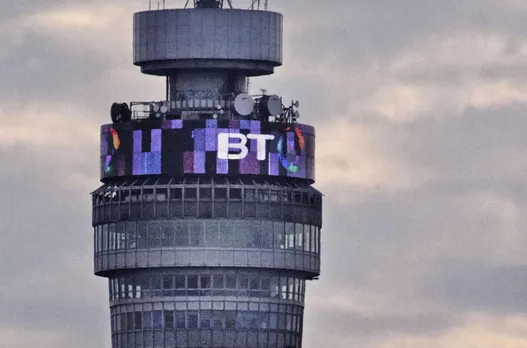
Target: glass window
(235, 193)
(254, 235)
(180, 282)
(204, 281)
(111, 232)
(227, 234)
(249, 194)
(217, 323)
(263, 195)
(307, 237)
(240, 232)
(290, 235)
(176, 193)
(148, 195)
(299, 236)
(167, 233)
(278, 232)
(192, 281)
(243, 282)
(154, 234)
(317, 239)
(265, 283)
(212, 237)
(253, 283)
(192, 319)
(231, 281)
(120, 236)
(297, 197)
(168, 286)
(181, 232)
(156, 285)
(196, 233)
(274, 196)
(230, 319)
(145, 284)
(169, 319)
(130, 234)
(180, 285)
(218, 281)
(220, 193)
(147, 320)
(192, 285)
(142, 228)
(136, 195)
(266, 234)
(273, 321)
(283, 288)
(243, 320)
(205, 193)
(291, 289)
(121, 322)
(191, 193)
(157, 317)
(205, 319)
(161, 194)
(138, 322)
(180, 320)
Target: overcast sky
(420, 109)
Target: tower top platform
(246, 41)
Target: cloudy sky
(420, 111)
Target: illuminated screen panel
(207, 147)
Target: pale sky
(420, 109)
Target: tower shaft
(207, 225)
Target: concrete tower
(206, 225)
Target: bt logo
(225, 145)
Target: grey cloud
(480, 286)
(376, 242)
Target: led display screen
(235, 147)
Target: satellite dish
(120, 112)
(164, 109)
(243, 104)
(296, 104)
(270, 105)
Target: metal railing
(208, 104)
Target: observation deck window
(218, 282)
(161, 194)
(176, 193)
(235, 193)
(191, 193)
(205, 193)
(169, 319)
(250, 195)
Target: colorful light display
(207, 147)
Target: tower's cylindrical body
(207, 225)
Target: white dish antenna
(243, 104)
(270, 105)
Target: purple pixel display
(233, 147)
